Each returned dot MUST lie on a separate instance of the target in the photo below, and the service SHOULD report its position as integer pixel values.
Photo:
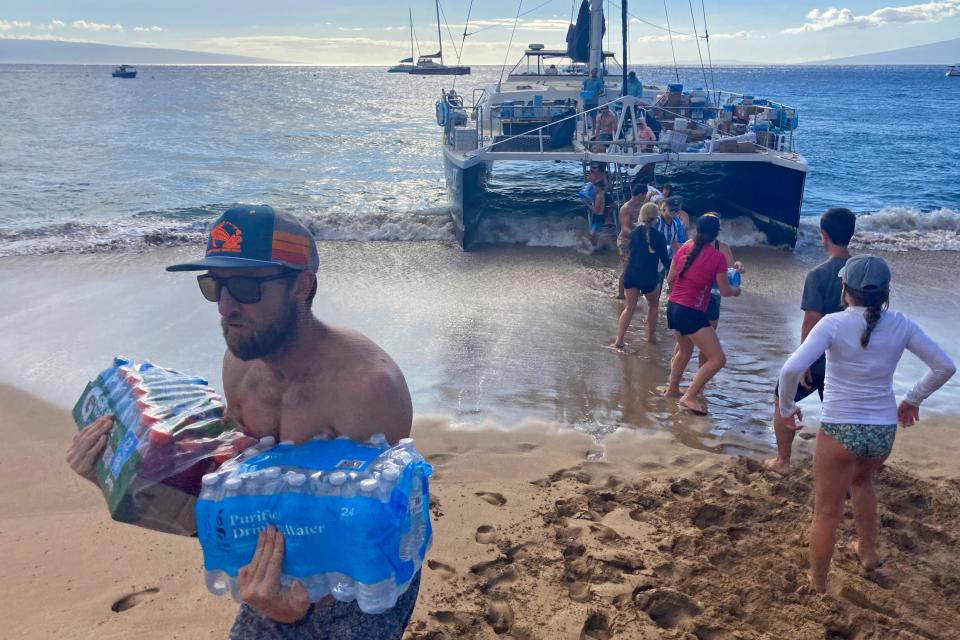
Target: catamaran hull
(768, 193)
(445, 71)
(466, 189)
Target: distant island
(17, 51)
(935, 53)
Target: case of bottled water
(168, 431)
(354, 517)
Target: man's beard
(262, 343)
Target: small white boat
(953, 71)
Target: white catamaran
(725, 152)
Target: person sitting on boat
(605, 127)
(552, 70)
(594, 86)
(644, 132)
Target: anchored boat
(427, 65)
(723, 151)
(124, 71)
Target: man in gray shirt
(821, 296)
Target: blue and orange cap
(248, 236)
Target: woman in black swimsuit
(648, 247)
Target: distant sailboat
(406, 65)
(426, 66)
(953, 71)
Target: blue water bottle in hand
(733, 277)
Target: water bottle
(266, 442)
(368, 488)
(209, 486)
(378, 597)
(733, 277)
(342, 587)
(337, 480)
(412, 540)
(388, 482)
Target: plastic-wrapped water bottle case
(355, 517)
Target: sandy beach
(540, 532)
(570, 500)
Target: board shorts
(863, 440)
(337, 621)
(685, 320)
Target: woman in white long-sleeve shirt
(863, 344)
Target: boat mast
(412, 58)
(439, 37)
(596, 35)
(623, 30)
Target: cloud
(95, 26)
(9, 25)
(833, 18)
(685, 37)
(533, 24)
(153, 29)
(53, 25)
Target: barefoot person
(288, 375)
(863, 345)
(713, 309)
(821, 297)
(648, 247)
(629, 212)
(696, 266)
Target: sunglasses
(243, 289)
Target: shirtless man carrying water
(288, 375)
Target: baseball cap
(675, 203)
(866, 273)
(250, 236)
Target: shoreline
(540, 531)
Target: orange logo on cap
(225, 237)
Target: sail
(578, 35)
(405, 60)
(432, 55)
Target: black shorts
(818, 371)
(684, 320)
(713, 309)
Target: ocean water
(93, 163)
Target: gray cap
(675, 203)
(866, 273)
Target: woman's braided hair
(707, 232)
(875, 303)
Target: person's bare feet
(673, 392)
(652, 338)
(692, 405)
(618, 345)
(620, 296)
(818, 584)
(778, 466)
(869, 559)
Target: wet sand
(540, 531)
(571, 499)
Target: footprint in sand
(133, 599)
(486, 534)
(445, 571)
(596, 627)
(499, 615)
(496, 499)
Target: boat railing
(628, 110)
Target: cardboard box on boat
(745, 146)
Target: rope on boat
(706, 36)
(697, 40)
(509, 44)
(676, 71)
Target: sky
(377, 31)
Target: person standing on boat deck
(821, 297)
(695, 267)
(605, 127)
(552, 70)
(593, 85)
(288, 375)
(648, 248)
(634, 86)
(863, 344)
(629, 212)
